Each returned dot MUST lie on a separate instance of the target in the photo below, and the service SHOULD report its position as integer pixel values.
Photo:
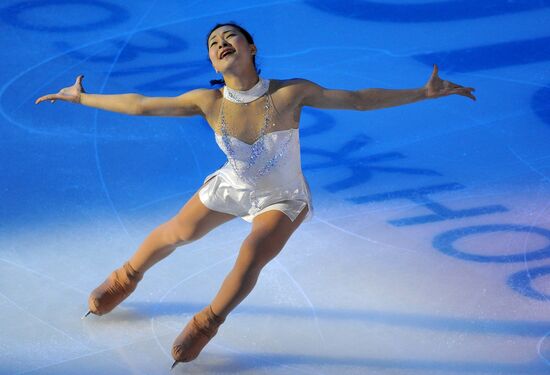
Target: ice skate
(119, 285)
(196, 334)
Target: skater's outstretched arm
(188, 104)
(314, 95)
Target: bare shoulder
(204, 98)
(294, 84)
(203, 95)
(294, 89)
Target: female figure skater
(255, 122)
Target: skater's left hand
(436, 87)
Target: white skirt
(223, 191)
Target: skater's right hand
(68, 94)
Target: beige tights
(154, 248)
(270, 231)
(236, 286)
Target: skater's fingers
(46, 97)
(465, 92)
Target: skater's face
(228, 47)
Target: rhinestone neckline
(247, 96)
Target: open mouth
(226, 53)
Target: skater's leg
(270, 232)
(192, 222)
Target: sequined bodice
(237, 140)
(253, 161)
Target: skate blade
(88, 313)
(174, 365)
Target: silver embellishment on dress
(247, 96)
(257, 148)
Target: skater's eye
(225, 32)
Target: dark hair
(249, 39)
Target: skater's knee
(180, 233)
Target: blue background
(429, 249)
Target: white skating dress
(265, 175)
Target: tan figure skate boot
(196, 334)
(119, 285)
